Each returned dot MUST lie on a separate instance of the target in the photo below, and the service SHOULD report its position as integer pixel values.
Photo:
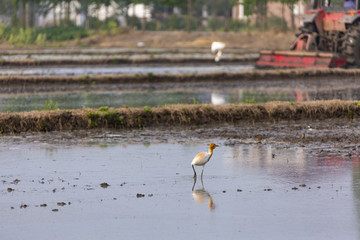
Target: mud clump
(104, 185)
(16, 181)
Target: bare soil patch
(244, 42)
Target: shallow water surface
(157, 95)
(249, 191)
(76, 100)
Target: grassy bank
(174, 115)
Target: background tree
(221, 8)
(291, 4)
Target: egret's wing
(199, 158)
(216, 46)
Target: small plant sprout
(103, 109)
(50, 105)
(147, 109)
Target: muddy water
(91, 188)
(119, 69)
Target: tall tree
(189, 15)
(259, 8)
(222, 8)
(122, 7)
(14, 13)
(84, 9)
(291, 4)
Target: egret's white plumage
(202, 158)
(217, 48)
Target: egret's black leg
(193, 184)
(194, 171)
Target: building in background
(274, 9)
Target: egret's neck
(210, 151)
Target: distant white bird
(217, 99)
(202, 158)
(217, 48)
(140, 44)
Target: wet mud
(52, 62)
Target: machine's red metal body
(300, 59)
(304, 51)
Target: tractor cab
(335, 5)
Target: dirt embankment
(175, 115)
(245, 42)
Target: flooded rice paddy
(217, 93)
(118, 99)
(55, 186)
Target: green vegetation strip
(175, 115)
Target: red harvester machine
(329, 37)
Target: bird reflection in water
(201, 195)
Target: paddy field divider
(175, 115)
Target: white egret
(217, 48)
(202, 158)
